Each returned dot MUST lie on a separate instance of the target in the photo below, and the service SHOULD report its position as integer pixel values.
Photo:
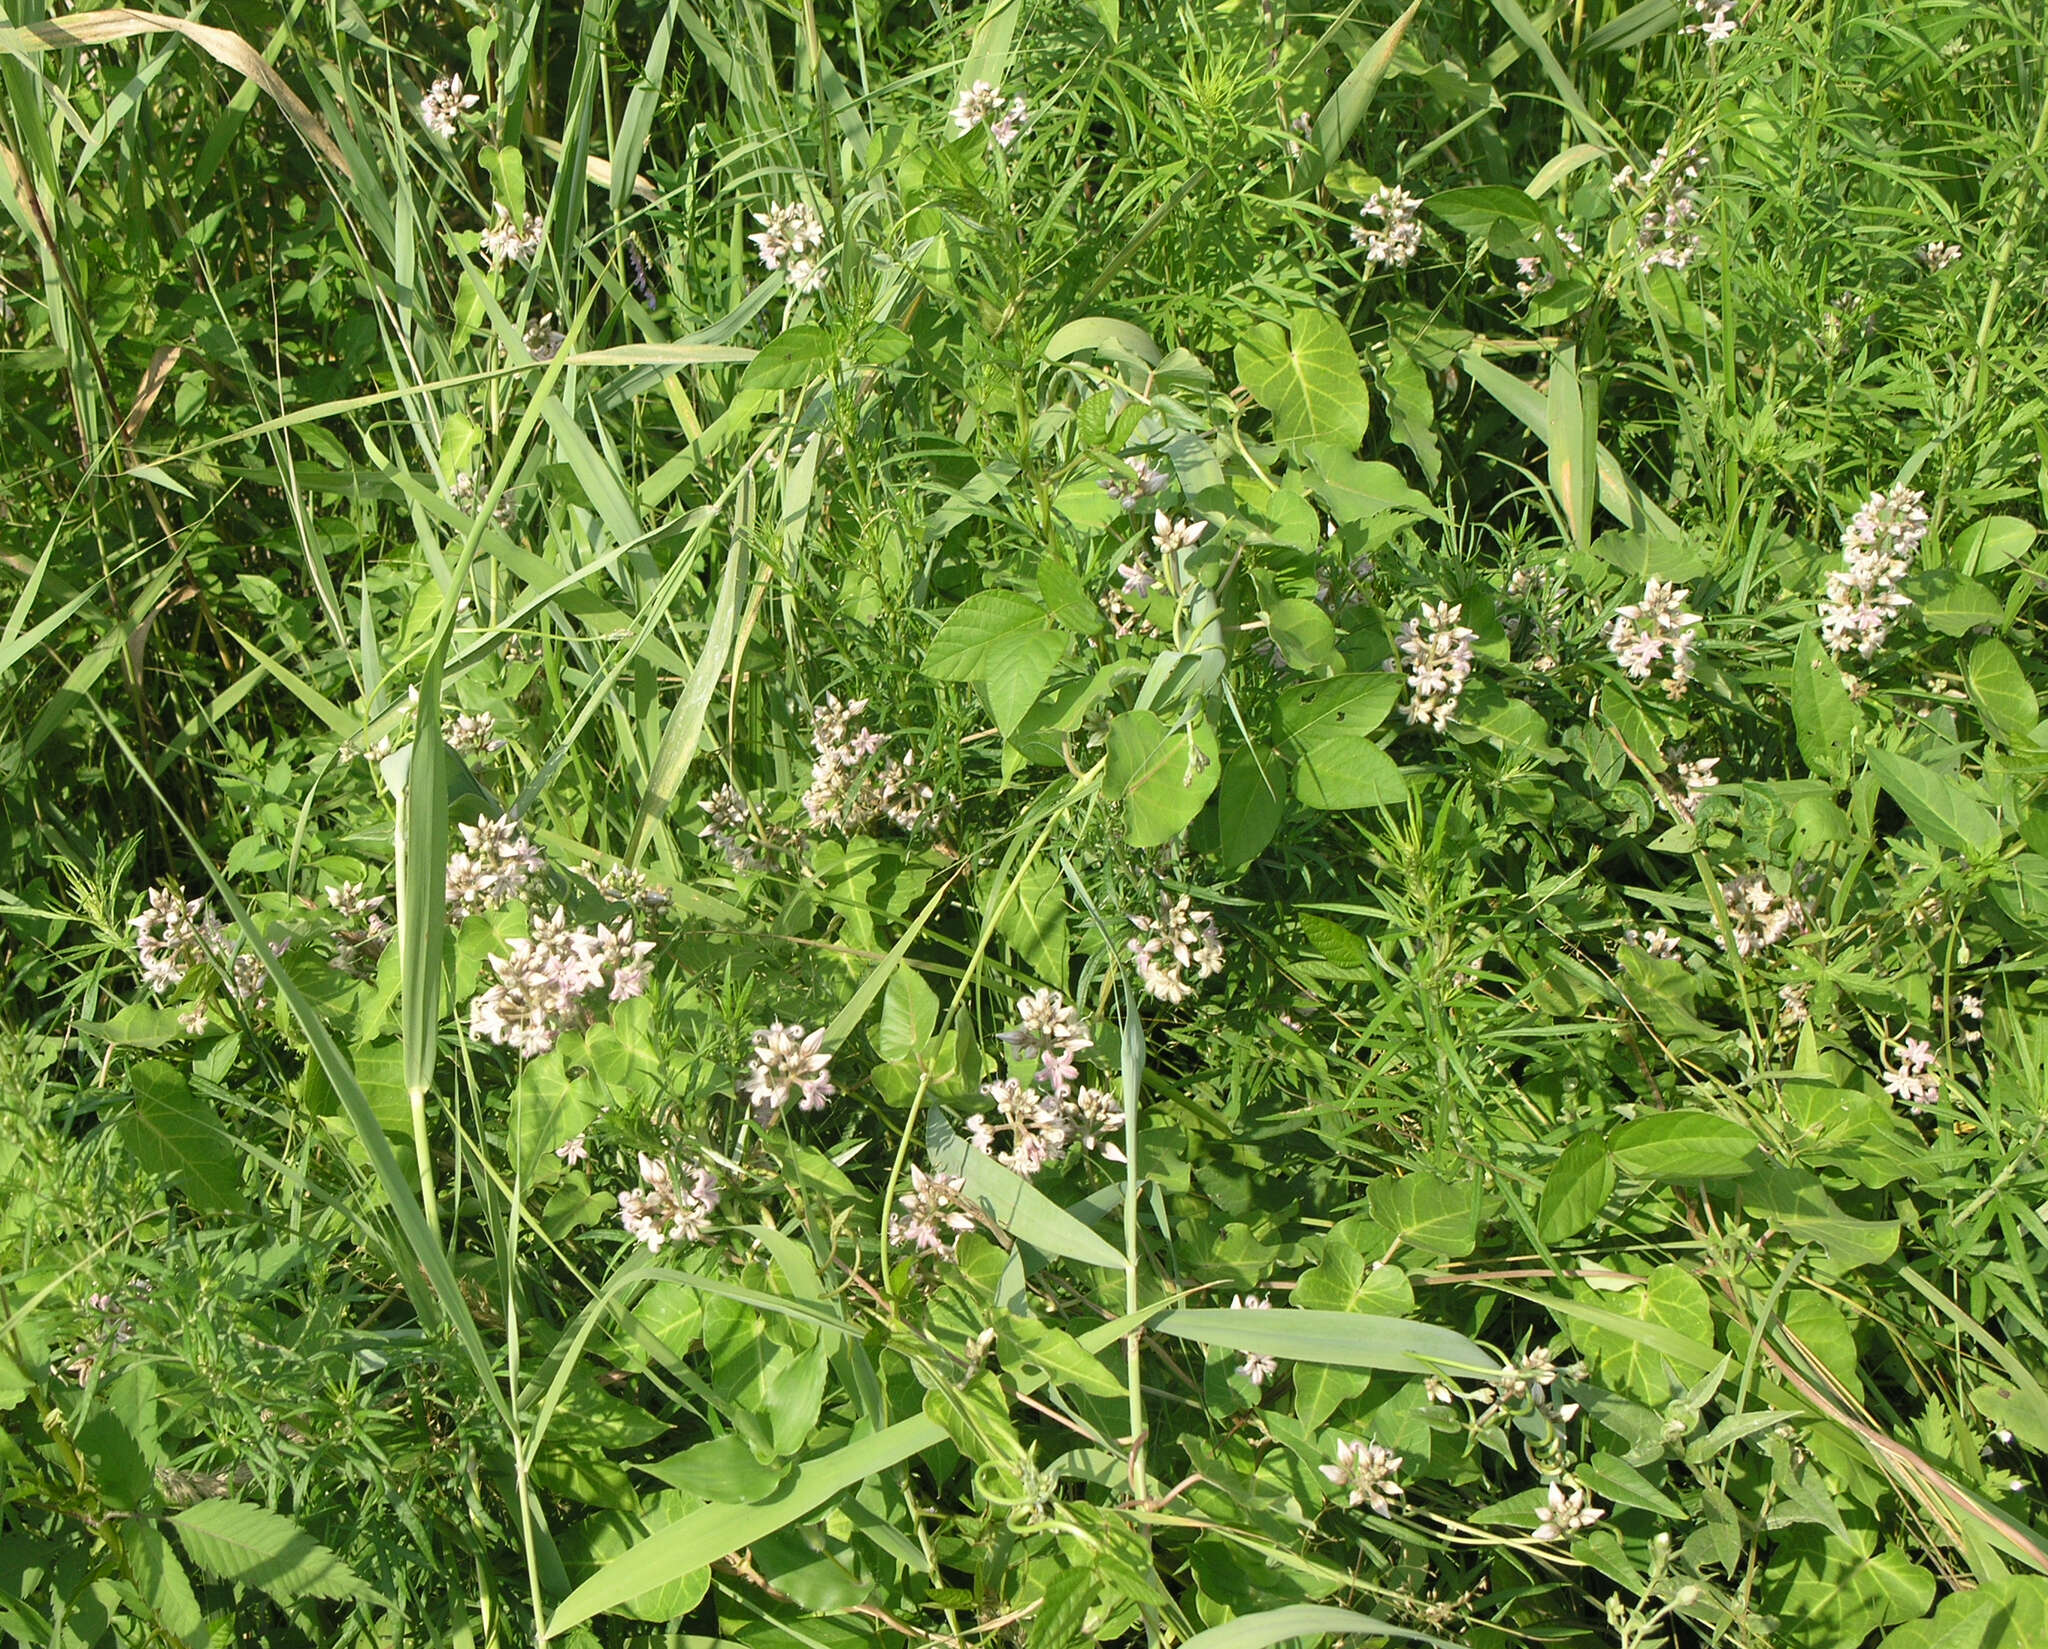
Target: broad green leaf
(1308, 378)
(1643, 554)
(1430, 1213)
(1992, 542)
(1683, 1145)
(550, 1107)
(1828, 1591)
(1339, 118)
(177, 1135)
(1824, 718)
(790, 359)
(2005, 1612)
(1574, 416)
(1102, 335)
(1952, 605)
(1066, 598)
(1576, 1190)
(1487, 212)
(1999, 685)
(1356, 489)
(1796, 1203)
(1035, 919)
(1304, 634)
(1937, 805)
(999, 637)
(258, 1547)
(1633, 1335)
(1249, 805)
(1162, 775)
(1342, 1339)
(701, 1538)
(1014, 1204)
(610, 1534)
(1303, 1620)
(909, 1023)
(161, 1579)
(1327, 726)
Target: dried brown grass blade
(97, 28)
(151, 387)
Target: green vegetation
(836, 825)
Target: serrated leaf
(1308, 378)
(258, 1547)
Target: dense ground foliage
(1025, 824)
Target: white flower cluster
(1759, 917)
(1398, 236)
(545, 982)
(665, 1212)
(1667, 237)
(1911, 1078)
(787, 1062)
(357, 948)
(1532, 275)
(1051, 1112)
(792, 234)
(1718, 20)
(508, 240)
(174, 935)
(934, 1214)
(442, 109)
(1257, 1367)
(852, 783)
(730, 827)
(983, 102)
(1660, 944)
(1366, 1472)
(1044, 1126)
(624, 885)
(543, 339)
(1863, 596)
(1563, 1514)
(1937, 255)
(498, 864)
(1439, 663)
(1139, 482)
(1169, 944)
(473, 734)
(1699, 780)
(1656, 630)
